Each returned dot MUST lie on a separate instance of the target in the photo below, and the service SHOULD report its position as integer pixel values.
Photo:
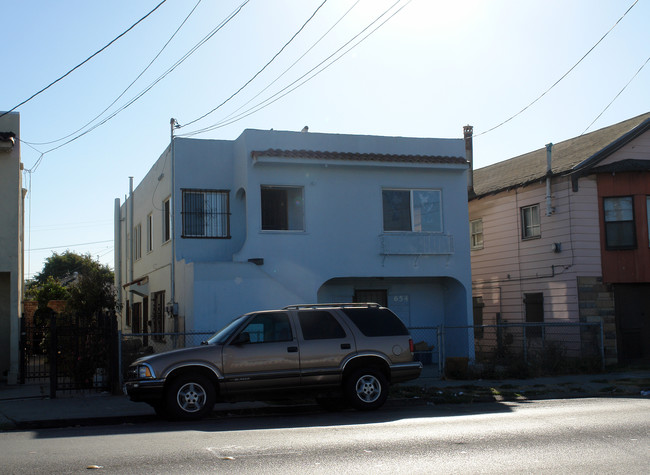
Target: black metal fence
(70, 352)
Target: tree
(87, 284)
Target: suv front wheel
(366, 389)
(189, 397)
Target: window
(530, 227)
(647, 207)
(269, 327)
(167, 220)
(476, 234)
(206, 213)
(412, 210)
(137, 242)
(477, 304)
(379, 296)
(319, 325)
(158, 315)
(282, 208)
(376, 321)
(136, 326)
(620, 232)
(534, 304)
(150, 232)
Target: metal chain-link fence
(506, 350)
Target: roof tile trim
(360, 157)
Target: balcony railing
(416, 244)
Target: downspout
(117, 250)
(549, 173)
(173, 125)
(469, 156)
(130, 234)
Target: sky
(425, 68)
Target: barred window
(206, 213)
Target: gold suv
(343, 354)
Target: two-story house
(218, 228)
(560, 234)
(11, 246)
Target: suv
(344, 354)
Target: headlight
(145, 372)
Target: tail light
(411, 345)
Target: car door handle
(345, 346)
(292, 349)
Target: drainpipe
(469, 155)
(549, 173)
(129, 236)
(173, 125)
(117, 254)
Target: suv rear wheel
(190, 396)
(366, 389)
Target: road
(556, 436)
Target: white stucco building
(218, 228)
(11, 246)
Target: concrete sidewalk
(26, 407)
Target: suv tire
(190, 397)
(366, 389)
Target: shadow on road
(275, 417)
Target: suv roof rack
(329, 305)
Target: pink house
(561, 234)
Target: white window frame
(416, 223)
(137, 242)
(295, 213)
(476, 233)
(531, 226)
(619, 218)
(149, 232)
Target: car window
(269, 327)
(376, 321)
(319, 325)
(222, 335)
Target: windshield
(222, 335)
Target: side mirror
(242, 338)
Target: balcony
(416, 244)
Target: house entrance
(379, 296)
(632, 303)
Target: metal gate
(70, 352)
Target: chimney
(468, 131)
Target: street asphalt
(29, 407)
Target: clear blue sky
(432, 68)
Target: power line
(263, 68)
(127, 88)
(616, 97)
(563, 76)
(84, 61)
(292, 65)
(69, 245)
(147, 89)
(270, 100)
